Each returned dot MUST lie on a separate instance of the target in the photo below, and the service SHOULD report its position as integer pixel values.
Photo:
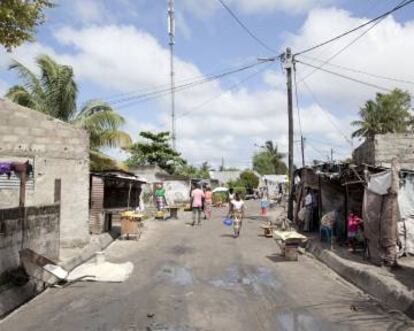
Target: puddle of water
(182, 250)
(178, 275)
(237, 279)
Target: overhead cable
(231, 88)
(357, 71)
(328, 115)
(356, 80)
(245, 28)
(327, 61)
(402, 5)
(127, 102)
(297, 101)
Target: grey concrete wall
(383, 148)
(58, 151)
(389, 146)
(365, 153)
(36, 228)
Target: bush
(241, 190)
(220, 197)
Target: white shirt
(308, 199)
(237, 205)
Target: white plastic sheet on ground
(380, 183)
(103, 272)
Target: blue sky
(119, 48)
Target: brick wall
(57, 150)
(380, 150)
(36, 228)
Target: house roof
(121, 174)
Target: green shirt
(159, 192)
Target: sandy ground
(200, 278)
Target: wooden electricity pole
(288, 65)
(302, 148)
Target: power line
(297, 100)
(348, 45)
(404, 4)
(356, 80)
(178, 88)
(122, 96)
(363, 72)
(245, 28)
(231, 88)
(328, 115)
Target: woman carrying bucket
(237, 213)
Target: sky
(119, 50)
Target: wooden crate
(131, 227)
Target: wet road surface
(200, 278)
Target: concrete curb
(387, 290)
(16, 296)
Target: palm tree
(275, 156)
(54, 93)
(388, 113)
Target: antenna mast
(171, 34)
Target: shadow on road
(277, 258)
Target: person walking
(308, 210)
(159, 197)
(264, 204)
(197, 196)
(208, 202)
(237, 214)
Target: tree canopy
(54, 92)
(154, 149)
(270, 160)
(19, 19)
(247, 180)
(388, 113)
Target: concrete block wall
(59, 151)
(380, 150)
(36, 228)
(389, 146)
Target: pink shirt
(197, 196)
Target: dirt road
(200, 278)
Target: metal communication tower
(171, 34)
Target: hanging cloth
(6, 168)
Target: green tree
(204, 171)
(249, 179)
(262, 163)
(270, 160)
(388, 113)
(19, 19)
(276, 157)
(155, 150)
(54, 92)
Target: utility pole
(171, 34)
(288, 66)
(332, 152)
(302, 147)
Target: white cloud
(262, 7)
(121, 59)
(385, 50)
(90, 11)
(3, 87)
